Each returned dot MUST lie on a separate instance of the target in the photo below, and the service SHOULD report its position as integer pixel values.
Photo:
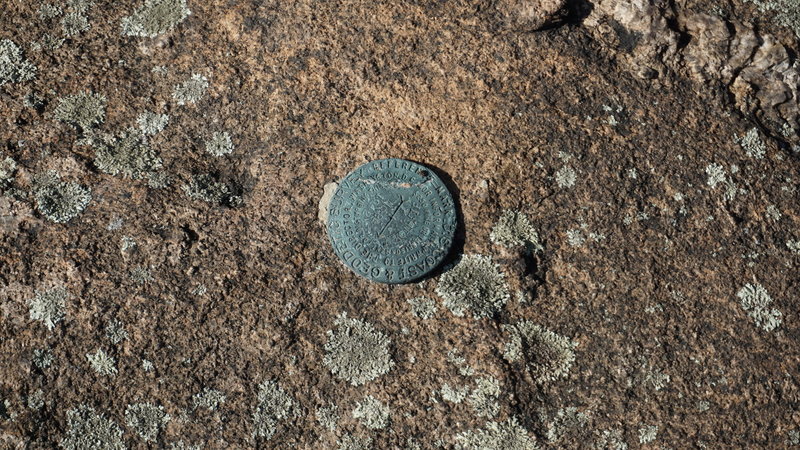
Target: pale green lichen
(58, 200)
(454, 357)
(422, 307)
(356, 351)
(49, 306)
(146, 419)
(151, 123)
(155, 17)
(514, 229)
(191, 91)
(454, 394)
(755, 300)
(483, 398)
(127, 155)
(208, 398)
(274, 405)
(610, 440)
(102, 362)
(752, 144)
(36, 400)
(328, 417)
(564, 421)
(716, 174)
(89, 430)
(48, 11)
(205, 187)
(473, 284)
(351, 442)
(787, 12)
(566, 177)
(7, 168)
(372, 413)
(42, 358)
(115, 331)
(648, 434)
(84, 109)
(141, 275)
(220, 144)
(74, 23)
(508, 435)
(180, 445)
(793, 246)
(547, 355)
(13, 67)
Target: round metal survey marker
(391, 221)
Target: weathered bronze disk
(391, 221)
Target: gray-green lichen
(115, 331)
(58, 200)
(716, 174)
(787, 12)
(89, 430)
(49, 306)
(151, 123)
(127, 155)
(356, 351)
(208, 398)
(146, 419)
(352, 442)
(648, 434)
(48, 11)
(372, 413)
(274, 405)
(546, 354)
(566, 177)
(74, 23)
(13, 67)
(755, 300)
(473, 284)
(328, 417)
(454, 394)
(483, 398)
(220, 144)
(514, 229)
(423, 307)
(42, 358)
(610, 440)
(205, 187)
(565, 421)
(36, 400)
(752, 144)
(141, 275)
(7, 168)
(84, 109)
(508, 435)
(191, 90)
(155, 17)
(102, 362)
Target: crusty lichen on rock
(220, 144)
(274, 405)
(507, 435)
(372, 413)
(190, 91)
(13, 67)
(91, 430)
(475, 284)
(58, 200)
(49, 306)
(127, 155)
(356, 351)
(84, 109)
(205, 187)
(102, 362)
(155, 17)
(756, 301)
(546, 354)
(146, 419)
(514, 229)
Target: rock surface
(647, 151)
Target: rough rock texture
(649, 146)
